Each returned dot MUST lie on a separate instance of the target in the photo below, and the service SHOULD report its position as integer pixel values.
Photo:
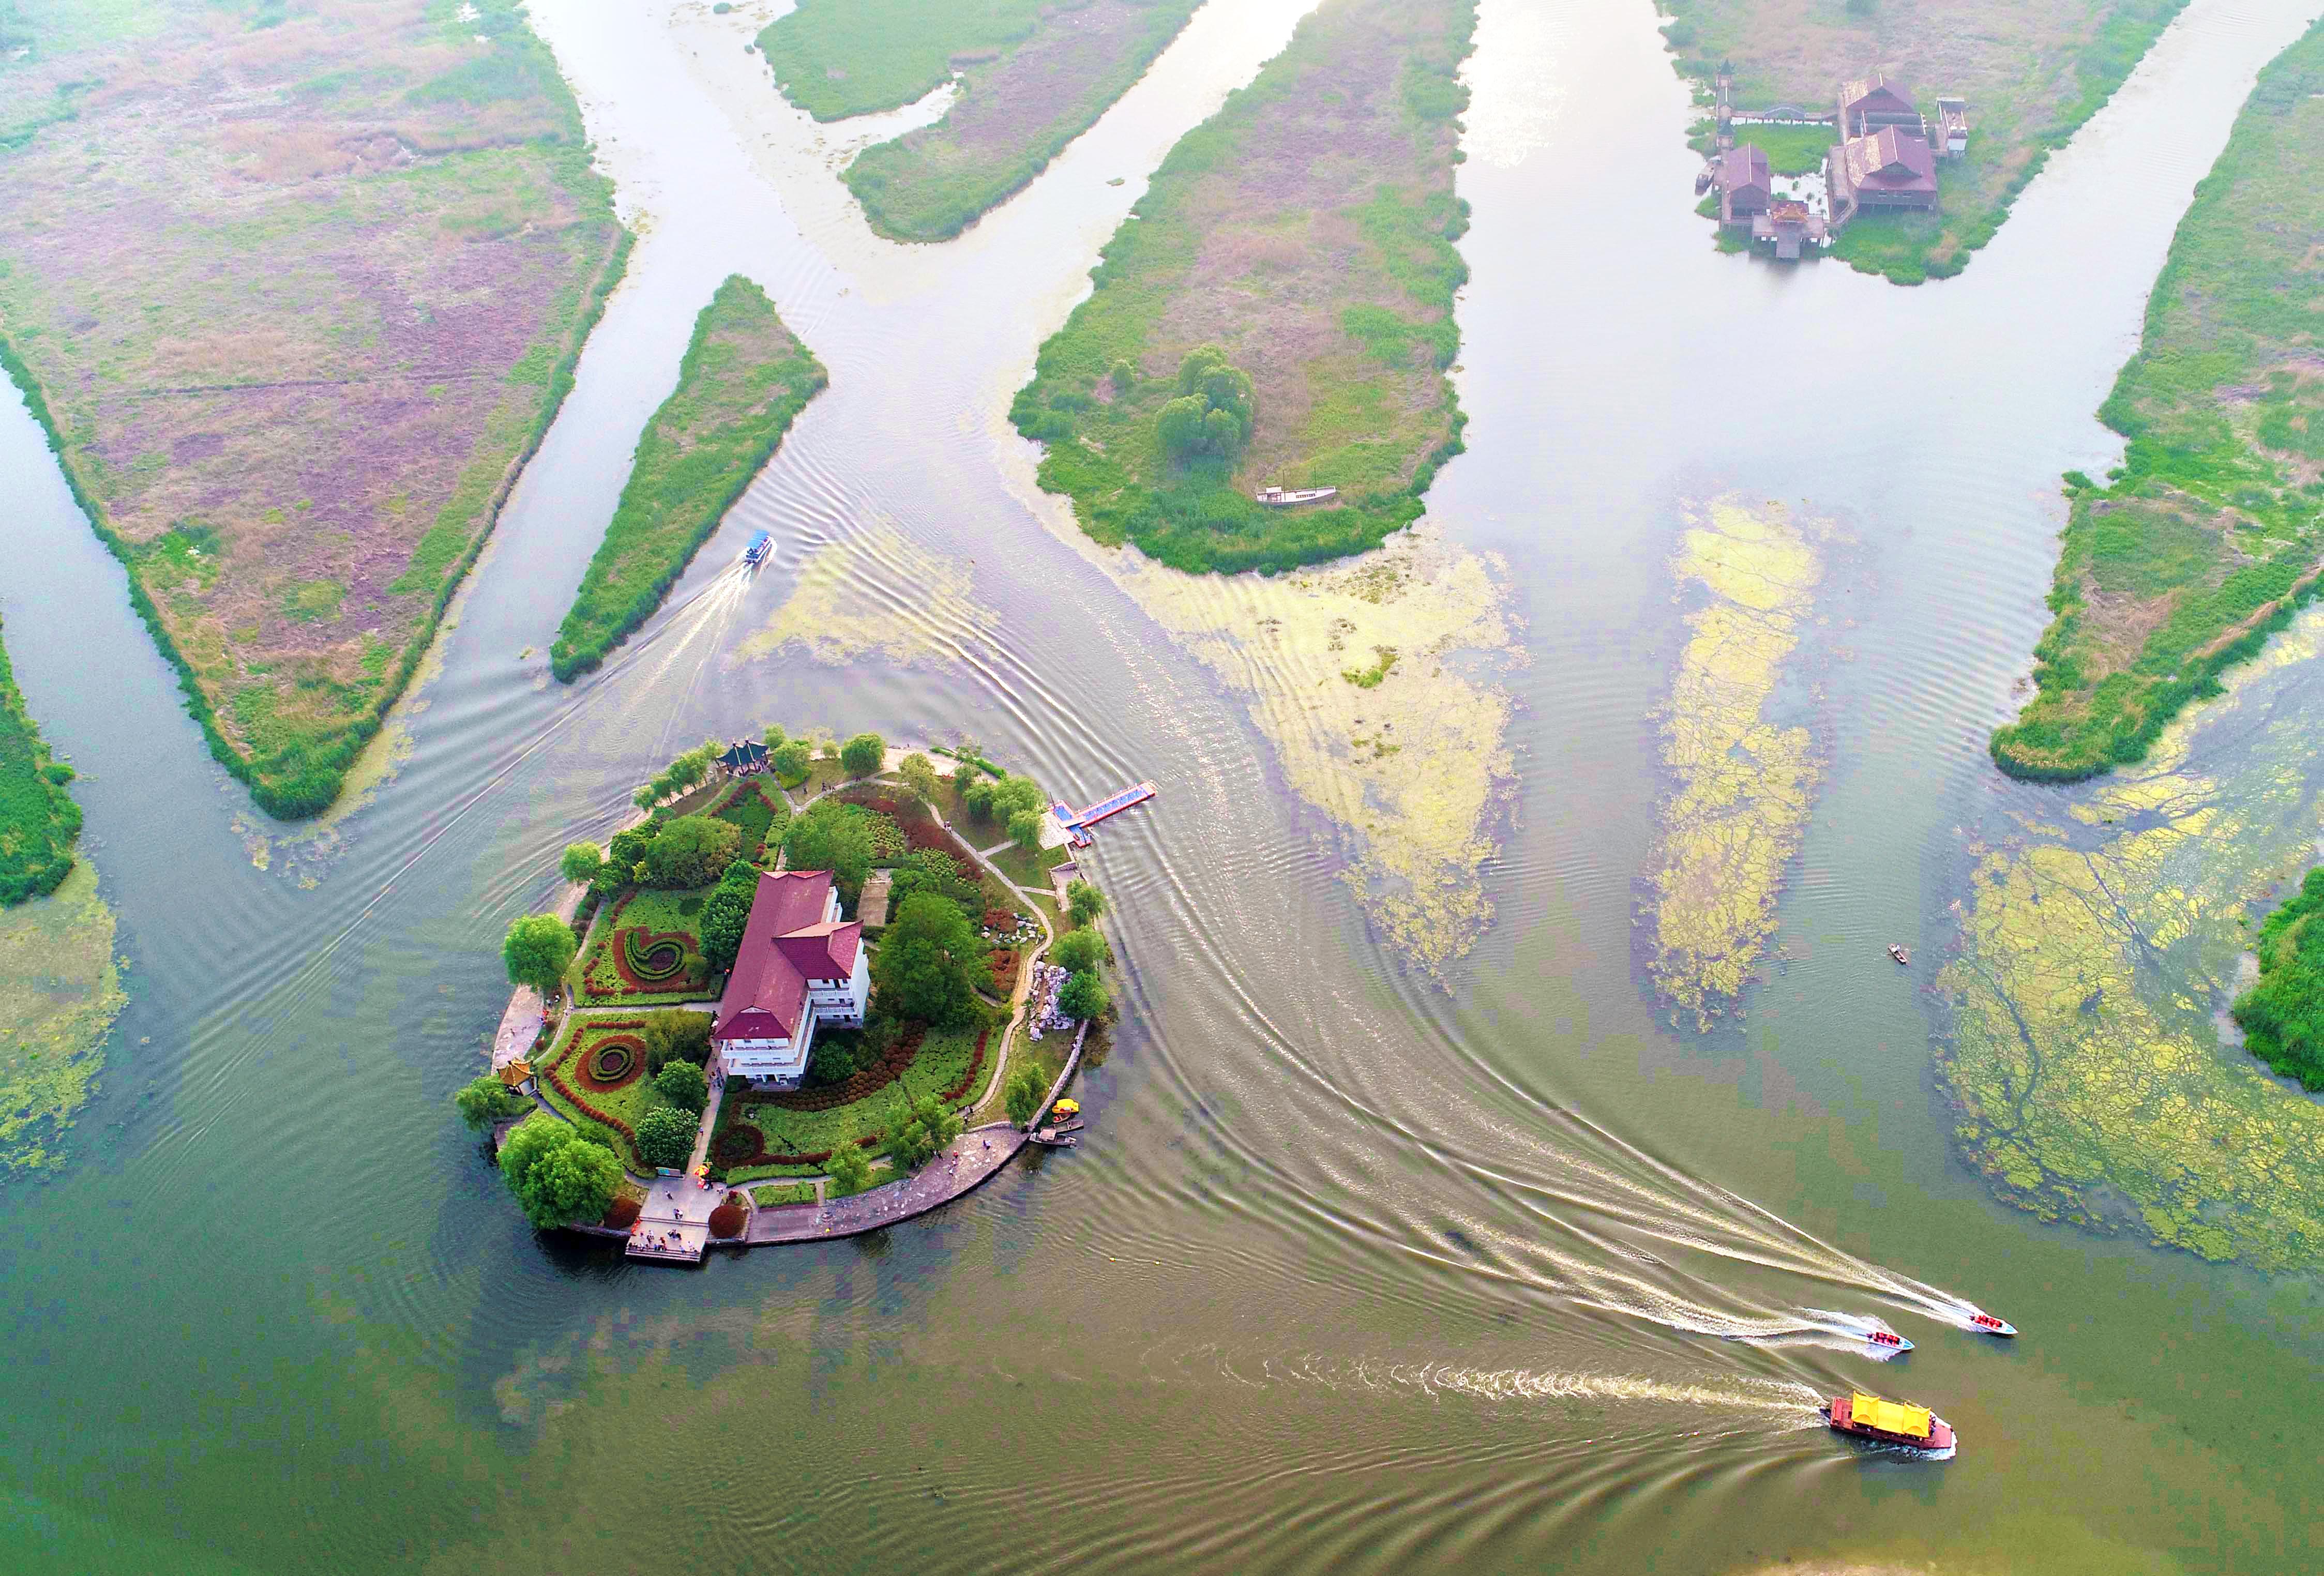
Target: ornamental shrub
(666, 1135)
(684, 1086)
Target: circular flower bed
(615, 1062)
(652, 957)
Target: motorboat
(1896, 950)
(756, 553)
(1888, 1340)
(1898, 1424)
(1985, 1324)
(1284, 497)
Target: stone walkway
(966, 1163)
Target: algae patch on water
(60, 992)
(2084, 1058)
(1410, 754)
(875, 595)
(1742, 779)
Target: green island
(2031, 72)
(665, 1036)
(1033, 75)
(2283, 1016)
(39, 821)
(292, 345)
(744, 379)
(2207, 538)
(1278, 311)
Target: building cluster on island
(1884, 156)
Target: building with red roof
(1890, 169)
(800, 965)
(1745, 186)
(1870, 104)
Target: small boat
(756, 553)
(1280, 498)
(1888, 1340)
(1891, 1423)
(1896, 950)
(1050, 1138)
(1985, 1324)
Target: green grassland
(744, 379)
(293, 338)
(2210, 534)
(60, 992)
(838, 58)
(2031, 72)
(39, 821)
(1021, 101)
(2283, 1016)
(1790, 150)
(1307, 229)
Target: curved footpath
(965, 1164)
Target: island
(816, 987)
(1030, 76)
(744, 379)
(2208, 536)
(1272, 317)
(295, 294)
(1920, 124)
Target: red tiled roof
(1873, 96)
(1743, 168)
(786, 942)
(1890, 160)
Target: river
(1362, 1267)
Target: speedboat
(756, 552)
(1890, 1423)
(1888, 1340)
(1896, 950)
(1985, 1324)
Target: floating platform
(1077, 823)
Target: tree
(835, 1057)
(628, 848)
(926, 964)
(1083, 901)
(582, 861)
(486, 1100)
(1012, 795)
(1082, 996)
(791, 760)
(666, 1135)
(775, 737)
(977, 797)
(539, 950)
(919, 774)
(1024, 1093)
(927, 1126)
(1213, 413)
(1078, 951)
(836, 838)
(848, 1169)
(1123, 375)
(684, 1086)
(557, 1175)
(863, 754)
(675, 1035)
(648, 796)
(692, 851)
(725, 917)
(1025, 830)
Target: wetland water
(1363, 1267)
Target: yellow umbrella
(1066, 1107)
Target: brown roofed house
(1867, 105)
(1745, 187)
(1890, 169)
(800, 965)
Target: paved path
(966, 1163)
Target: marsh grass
(744, 381)
(39, 821)
(2209, 536)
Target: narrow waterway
(1360, 1268)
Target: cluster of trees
(675, 1035)
(1015, 802)
(727, 913)
(687, 772)
(561, 1171)
(666, 1134)
(685, 851)
(928, 963)
(1212, 415)
(834, 837)
(1081, 952)
(926, 1125)
(849, 1169)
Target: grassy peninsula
(295, 292)
(2032, 70)
(744, 379)
(39, 821)
(2210, 533)
(1033, 75)
(1304, 234)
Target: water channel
(1367, 1266)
